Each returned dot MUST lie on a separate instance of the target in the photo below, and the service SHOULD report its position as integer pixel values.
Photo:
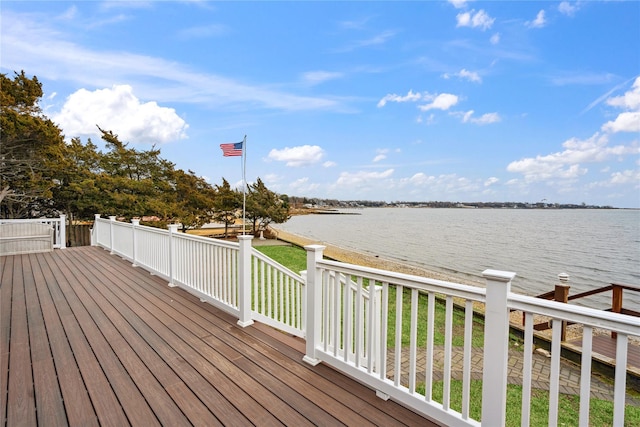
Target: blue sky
(414, 101)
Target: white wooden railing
(57, 224)
(277, 294)
(385, 339)
(410, 374)
(232, 276)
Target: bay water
(595, 247)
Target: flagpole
(244, 183)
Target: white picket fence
(358, 332)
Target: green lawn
(601, 411)
(295, 259)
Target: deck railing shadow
(354, 330)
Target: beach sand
(358, 258)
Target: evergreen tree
(228, 202)
(264, 207)
(30, 146)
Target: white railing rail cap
(419, 282)
(586, 315)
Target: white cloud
(382, 154)
(70, 14)
(470, 75)
(303, 155)
(392, 97)
(421, 179)
(479, 19)
(566, 8)
(329, 164)
(566, 164)
(443, 101)
(317, 77)
(362, 177)
(466, 75)
(458, 4)
(627, 121)
(442, 185)
(495, 39)
(272, 178)
(117, 109)
(303, 186)
(630, 100)
(539, 22)
(489, 182)
(355, 25)
(485, 119)
(626, 177)
(431, 119)
(376, 40)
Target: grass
(601, 411)
(439, 322)
(295, 259)
(292, 257)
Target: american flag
(231, 149)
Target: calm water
(595, 247)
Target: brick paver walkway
(541, 368)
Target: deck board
(605, 345)
(110, 344)
(21, 404)
(47, 391)
(77, 404)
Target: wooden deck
(86, 339)
(605, 345)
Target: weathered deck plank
(50, 404)
(6, 288)
(20, 404)
(87, 339)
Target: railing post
(616, 303)
(496, 347)
(63, 231)
(94, 231)
(561, 294)
(112, 219)
(244, 281)
(313, 306)
(135, 222)
(173, 229)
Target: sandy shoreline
(359, 258)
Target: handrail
(609, 287)
(561, 294)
